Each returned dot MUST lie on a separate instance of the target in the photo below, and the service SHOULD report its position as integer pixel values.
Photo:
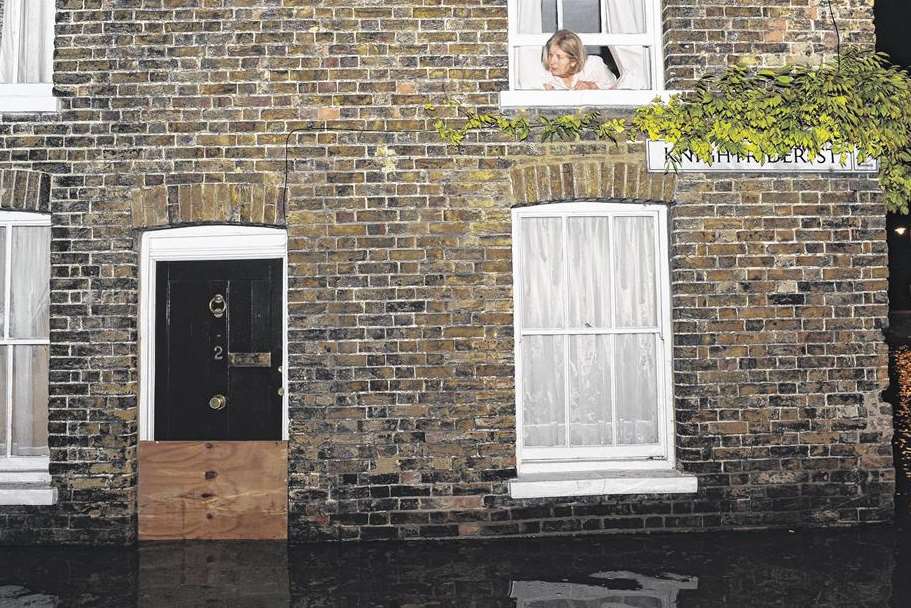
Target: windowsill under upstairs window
(28, 98)
(26, 481)
(598, 483)
(510, 100)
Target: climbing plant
(858, 102)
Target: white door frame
(200, 243)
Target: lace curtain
(591, 382)
(27, 41)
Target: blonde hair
(570, 43)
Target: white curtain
(30, 396)
(627, 17)
(27, 44)
(30, 283)
(597, 366)
(530, 73)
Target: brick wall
(400, 300)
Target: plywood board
(217, 490)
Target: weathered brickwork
(401, 386)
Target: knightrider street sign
(797, 160)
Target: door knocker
(218, 402)
(217, 306)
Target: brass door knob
(218, 402)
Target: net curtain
(27, 42)
(623, 17)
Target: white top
(593, 71)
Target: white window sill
(27, 494)
(28, 98)
(595, 483)
(511, 100)
(26, 481)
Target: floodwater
(819, 568)
(856, 568)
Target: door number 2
(218, 353)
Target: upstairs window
(24, 329)
(27, 56)
(622, 39)
(592, 316)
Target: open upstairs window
(623, 47)
(27, 56)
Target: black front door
(218, 351)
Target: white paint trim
(27, 494)
(652, 38)
(598, 483)
(25, 480)
(25, 218)
(510, 100)
(28, 98)
(19, 469)
(659, 456)
(24, 464)
(201, 243)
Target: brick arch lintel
(572, 180)
(25, 190)
(208, 203)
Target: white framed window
(592, 334)
(24, 355)
(27, 56)
(626, 36)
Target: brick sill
(595, 483)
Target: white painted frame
(564, 460)
(15, 97)
(24, 480)
(653, 38)
(31, 97)
(196, 243)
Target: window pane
(548, 13)
(30, 282)
(590, 390)
(27, 41)
(543, 391)
(637, 388)
(582, 16)
(4, 406)
(541, 255)
(625, 16)
(2, 282)
(30, 393)
(588, 248)
(636, 285)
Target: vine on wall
(858, 102)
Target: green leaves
(863, 104)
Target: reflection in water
(187, 575)
(603, 590)
(901, 389)
(822, 568)
(14, 596)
